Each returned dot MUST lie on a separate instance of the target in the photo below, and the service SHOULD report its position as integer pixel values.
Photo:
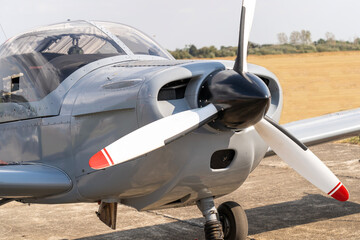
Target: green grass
(352, 140)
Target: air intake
(173, 90)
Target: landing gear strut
(107, 213)
(213, 229)
(228, 222)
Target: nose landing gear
(228, 222)
(234, 221)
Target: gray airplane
(99, 112)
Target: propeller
(247, 15)
(300, 158)
(229, 100)
(152, 136)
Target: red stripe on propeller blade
(108, 155)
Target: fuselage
(105, 99)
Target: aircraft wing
(31, 181)
(326, 128)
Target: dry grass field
(316, 83)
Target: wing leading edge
(326, 128)
(32, 180)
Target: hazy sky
(201, 22)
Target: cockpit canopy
(33, 65)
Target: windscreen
(34, 64)
(138, 42)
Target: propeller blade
(247, 15)
(301, 159)
(152, 136)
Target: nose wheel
(233, 220)
(228, 221)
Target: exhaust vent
(222, 158)
(173, 90)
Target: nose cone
(242, 99)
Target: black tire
(234, 221)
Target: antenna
(3, 32)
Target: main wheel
(234, 221)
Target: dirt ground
(315, 83)
(278, 202)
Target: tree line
(297, 42)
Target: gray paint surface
(111, 100)
(33, 180)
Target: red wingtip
(3, 163)
(341, 194)
(98, 161)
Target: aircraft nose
(242, 99)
